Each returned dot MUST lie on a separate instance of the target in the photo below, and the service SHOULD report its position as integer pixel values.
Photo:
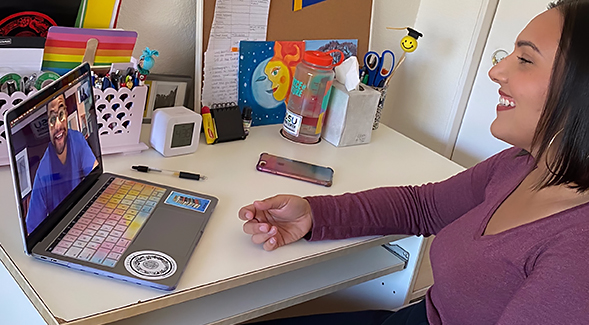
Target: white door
(475, 142)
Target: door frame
(476, 48)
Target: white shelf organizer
(119, 114)
(7, 102)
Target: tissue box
(350, 115)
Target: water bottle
(309, 96)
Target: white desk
(226, 265)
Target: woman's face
(524, 77)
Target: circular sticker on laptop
(150, 265)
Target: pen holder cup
(383, 96)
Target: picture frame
(22, 163)
(167, 91)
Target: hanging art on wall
(266, 70)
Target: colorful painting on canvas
(266, 70)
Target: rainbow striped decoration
(65, 46)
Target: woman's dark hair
(562, 134)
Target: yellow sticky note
(297, 5)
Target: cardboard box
(350, 115)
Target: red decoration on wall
(26, 23)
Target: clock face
(182, 135)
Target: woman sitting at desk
(512, 244)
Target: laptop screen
(55, 146)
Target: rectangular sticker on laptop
(187, 202)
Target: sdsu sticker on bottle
(292, 123)
(189, 202)
(150, 265)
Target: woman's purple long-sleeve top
(536, 273)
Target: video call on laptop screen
(56, 146)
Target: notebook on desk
(228, 123)
(74, 214)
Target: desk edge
(279, 305)
(146, 306)
(28, 290)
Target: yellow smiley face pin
(409, 42)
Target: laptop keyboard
(104, 229)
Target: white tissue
(347, 73)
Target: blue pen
(106, 83)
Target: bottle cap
(205, 110)
(247, 113)
(322, 59)
(318, 58)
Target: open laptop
(74, 214)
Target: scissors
(374, 63)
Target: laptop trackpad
(168, 229)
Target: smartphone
(295, 169)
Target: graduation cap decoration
(413, 33)
(409, 42)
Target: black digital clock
(182, 135)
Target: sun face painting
(266, 70)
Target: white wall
(391, 13)
(168, 26)
(475, 141)
(427, 93)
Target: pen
(186, 175)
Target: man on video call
(67, 160)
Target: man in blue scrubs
(67, 160)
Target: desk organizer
(7, 102)
(119, 115)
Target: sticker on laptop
(186, 201)
(150, 265)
